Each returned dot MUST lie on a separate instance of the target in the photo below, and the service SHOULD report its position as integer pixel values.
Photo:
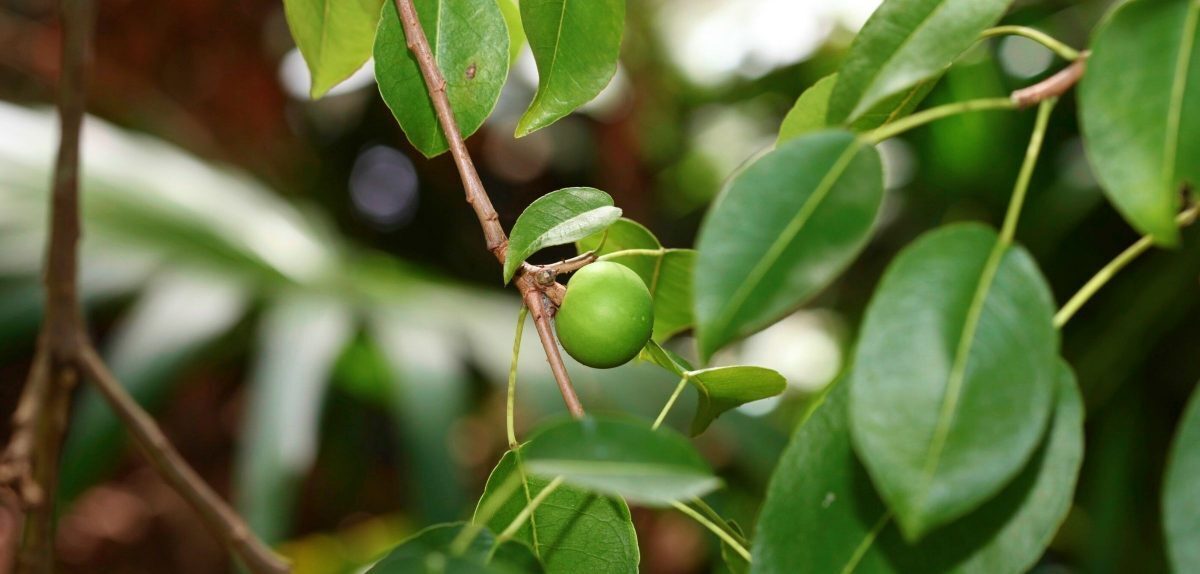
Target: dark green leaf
(559, 217)
(953, 378)
(622, 235)
(576, 46)
(668, 275)
(334, 36)
(572, 530)
(1181, 491)
(469, 39)
(821, 514)
(903, 44)
(1139, 109)
(781, 231)
(620, 458)
(430, 551)
(724, 388)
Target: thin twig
(221, 520)
(477, 196)
(1051, 87)
(712, 527)
(1050, 42)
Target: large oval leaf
(576, 46)
(1181, 491)
(821, 514)
(620, 458)
(954, 374)
(1139, 106)
(559, 217)
(724, 388)
(903, 44)
(782, 230)
(572, 530)
(809, 113)
(334, 36)
(431, 551)
(469, 40)
(668, 275)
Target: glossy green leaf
(559, 217)
(904, 43)
(782, 230)
(809, 114)
(334, 36)
(953, 378)
(821, 514)
(1181, 491)
(724, 388)
(430, 551)
(622, 235)
(1139, 109)
(469, 39)
(668, 275)
(516, 33)
(620, 458)
(572, 530)
(576, 46)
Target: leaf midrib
(874, 78)
(545, 86)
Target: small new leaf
(334, 36)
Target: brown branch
(1051, 87)
(220, 519)
(531, 288)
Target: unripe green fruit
(606, 316)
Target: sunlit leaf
(334, 36)
(953, 378)
(559, 217)
(516, 33)
(1181, 491)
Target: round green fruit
(606, 316)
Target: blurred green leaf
(576, 46)
(620, 458)
(668, 275)
(809, 113)
(469, 39)
(904, 43)
(782, 230)
(1139, 110)
(724, 388)
(334, 36)
(572, 530)
(622, 235)
(559, 217)
(953, 378)
(1181, 491)
(516, 33)
(430, 551)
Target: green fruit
(606, 316)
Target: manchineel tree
(951, 443)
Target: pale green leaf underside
(1181, 492)
(1139, 110)
(334, 36)
(953, 377)
(558, 218)
(576, 44)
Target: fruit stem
(510, 411)
(662, 415)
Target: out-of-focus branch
(1052, 87)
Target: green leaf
(953, 378)
(734, 561)
(572, 530)
(821, 514)
(668, 275)
(724, 388)
(300, 339)
(1139, 110)
(559, 217)
(782, 230)
(516, 33)
(655, 353)
(576, 46)
(430, 551)
(903, 44)
(469, 39)
(334, 36)
(1181, 491)
(622, 235)
(811, 108)
(620, 458)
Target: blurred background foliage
(307, 306)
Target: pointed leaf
(668, 275)
(572, 530)
(620, 458)
(430, 551)
(559, 217)
(1139, 109)
(903, 44)
(1181, 491)
(469, 39)
(821, 514)
(782, 230)
(953, 379)
(576, 46)
(809, 114)
(724, 388)
(334, 36)
(622, 235)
